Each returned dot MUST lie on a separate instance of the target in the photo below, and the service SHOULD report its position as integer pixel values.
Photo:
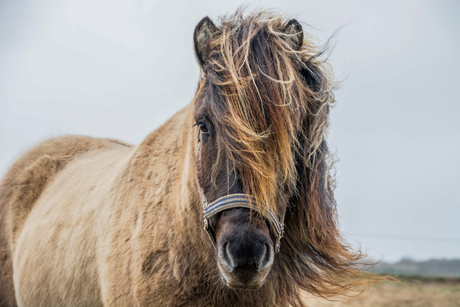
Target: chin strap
(241, 201)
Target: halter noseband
(241, 201)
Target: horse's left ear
(294, 33)
(204, 31)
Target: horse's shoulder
(24, 182)
(22, 185)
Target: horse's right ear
(204, 31)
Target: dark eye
(203, 128)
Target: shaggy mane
(261, 100)
(271, 101)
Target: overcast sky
(120, 68)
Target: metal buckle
(278, 241)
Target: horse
(99, 222)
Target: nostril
(262, 255)
(226, 256)
(267, 258)
(242, 256)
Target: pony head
(261, 109)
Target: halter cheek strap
(241, 201)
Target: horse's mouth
(237, 284)
(244, 286)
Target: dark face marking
(245, 249)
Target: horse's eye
(203, 128)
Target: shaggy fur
(96, 222)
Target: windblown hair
(271, 99)
(270, 95)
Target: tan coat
(95, 222)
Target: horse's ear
(294, 33)
(314, 77)
(204, 31)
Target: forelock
(259, 101)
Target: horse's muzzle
(245, 249)
(244, 264)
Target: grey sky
(121, 68)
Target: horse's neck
(161, 176)
(167, 158)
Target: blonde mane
(271, 92)
(262, 101)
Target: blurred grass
(408, 291)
